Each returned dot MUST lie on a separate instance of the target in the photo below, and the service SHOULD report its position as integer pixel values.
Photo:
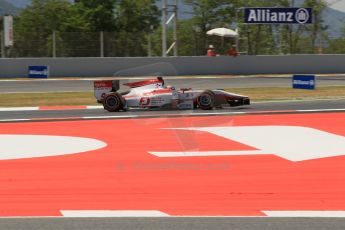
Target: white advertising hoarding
(8, 31)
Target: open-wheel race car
(153, 94)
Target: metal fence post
(175, 29)
(2, 36)
(164, 28)
(101, 39)
(54, 44)
(149, 45)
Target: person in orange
(211, 51)
(232, 51)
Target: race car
(153, 94)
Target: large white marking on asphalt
(293, 143)
(30, 146)
(113, 213)
(305, 213)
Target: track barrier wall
(201, 65)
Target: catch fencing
(82, 44)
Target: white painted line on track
(107, 117)
(162, 115)
(94, 107)
(14, 120)
(208, 153)
(14, 109)
(156, 213)
(299, 100)
(113, 213)
(319, 110)
(214, 113)
(305, 213)
(166, 114)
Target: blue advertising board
(303, 82)
(38, 72)
(275, 15)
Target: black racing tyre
(207, 100)
(113, 102)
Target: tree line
(125, 24)
(128, 25)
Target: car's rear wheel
(206, 100)
(113, 102)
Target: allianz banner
(273, 15)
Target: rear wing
(102, 87)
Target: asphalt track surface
(63, 85)
(172, 222)
(262, 107)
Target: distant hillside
(335, 20)
(8, 8)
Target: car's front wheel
(206, 100)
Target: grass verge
(87, 98)
(46, 99)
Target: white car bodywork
(153, 93)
